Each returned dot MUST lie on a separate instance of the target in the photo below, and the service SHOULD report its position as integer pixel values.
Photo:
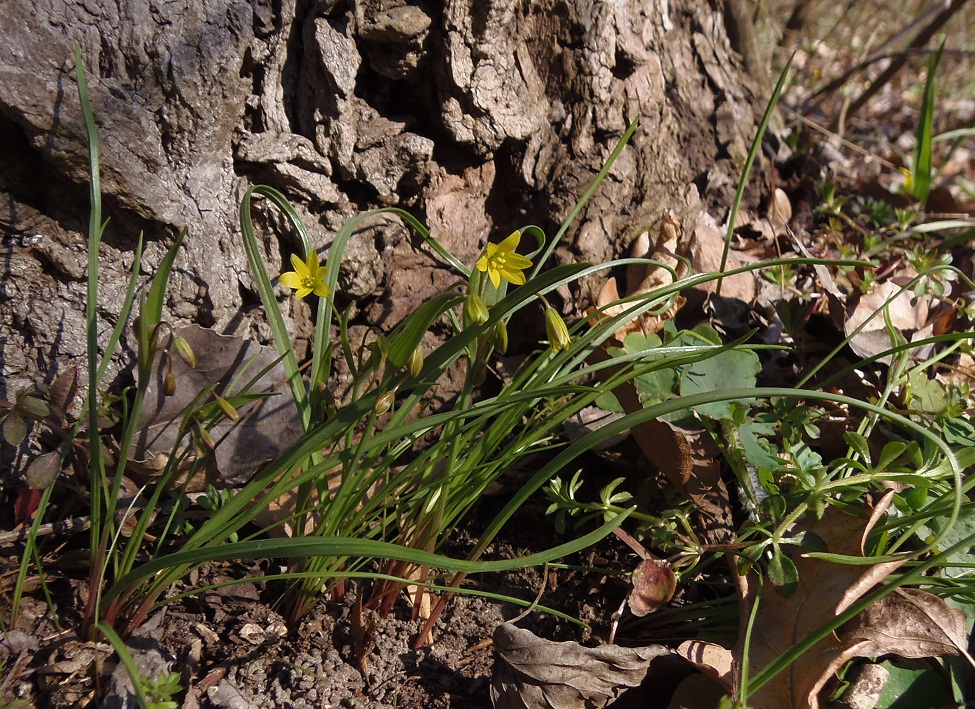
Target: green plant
(911, 437)
(920, 172)
(395, 501)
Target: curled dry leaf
(908, 622)
(780, 208)
(704, 249)
(533, 673)
(653, 583)
(688, 458)
(865, 689)
(645, 278)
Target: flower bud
(206, 439)
(227, 408)
(475, 309)
(558, 333)
(499, 336)
(416, 362)
(184, 351)
(169, 384)
(385, 402)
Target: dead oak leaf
(825, 590)
(866, 325)
(908, 622)
(534, 673)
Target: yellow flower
(501, 261)
(308, 277)
(908, 180)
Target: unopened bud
(169, 384)
(206, 438)
(184, 351)
(499, 336)
(385, 402)
(475, 309)
(558, 333)
(416, 362)
(227, 408)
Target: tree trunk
(479, 116)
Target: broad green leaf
(964, 528)
(758, 450)
(733, 369)
(782, 572)
(927, 395)
(911, 685)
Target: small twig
(538, 597)
(836, 136)
(68, 526)
(617, 616)
(942, 13)
(633, 544)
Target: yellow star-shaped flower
(308, 277)
(501, 261)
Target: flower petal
(482, 263)
(511, 243)
(298, 265)
(311, 261)
(513, 275)
(322, 290)
(302, 292)
(495, 276)
(290, 280)
(517, 261)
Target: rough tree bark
(477, 115)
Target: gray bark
(480, 116)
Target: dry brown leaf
(908, 316)
(533, 673)
(687, 458)
(908, 622)
(712, 659)
(705, 248)
(645, 278)
(780, 208)
(824, 590)
(266, 429)
(913, 622)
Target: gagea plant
(379, 479)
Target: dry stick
(538, 597)
(945, 11)
(75, 524)
(837, 137)
(68, 526)
(794, 26)
(882, 53)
